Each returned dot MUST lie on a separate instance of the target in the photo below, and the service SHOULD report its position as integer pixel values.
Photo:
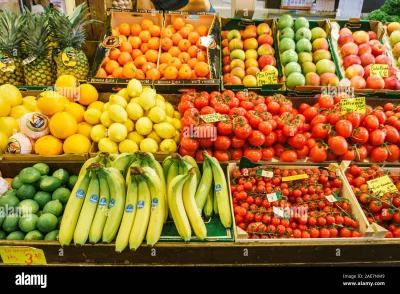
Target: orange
(145, 36)
(76, 144)
(122, 38)
(155, 31)
(193, 50)
(114, 53)
(184, 57)
(135, 42)
(178, 23)
(171, 28)
(87, 94)
(101, 73)
(117, 73)
(171, 73)
(184, 32)
(202, 30)
(110, 77)
(201, 69)
(129, 70)
(51, 102)
(166, 33)
(125, 29)
(176, 38)
(192, 62)
(139, 61)
(193, 37)
(136, 53)
(151, 55)
(194, 77)
(190, 26)
(202, 56)
(115, 32)
(174, 51)
(140, 74)
(162, 67)
(146, 24)
(184, 45)
(153, 74)
(126, 47)
(62, 125)
(147, 66)
(136, 29)
(111, 65)
(124, 58)
(144, 47)
(105, 60)
(76, 110)
(166, 44)
(48, 145)
(185, 72)
(154, 43)
(175, 62)
(165, 57)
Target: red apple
(226, 51)
(266, 49)
(313, 79)
(266, 60)
(392, 71)
(345, 38)
(396, 50)
(225, 43)
(224, 34)
(382, 59)
(320, 43)
(226, 69)
(250, 81)
(378, 49)
(252, 71)
(375, 82)
(367, 59)
(250, 43)
(250, 32)
(373, 42)
(360, 37)
(237, 63)
(354, 70)
(234, 81)
(329, 79)
(393, 26)
(349, 49)
(350, 60)
(358, 82)
(364, 48)
(390, 83)
(344, 31)
(265, 39)
(263, 28)
(238, 72)
(372, 35)
(367, 71)
(251, 62)
(226, 60)
(226, 77)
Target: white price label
(331, 198)
(265, 174)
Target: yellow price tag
(68, 57)
(353, 105)
(267, 77)
(22, 255)
(382, 185)
(210, 118)
(294, 178)
(380, 70)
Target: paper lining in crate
(365, 229)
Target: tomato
(237, 111)
(386, 215)
(183, 106)
(354, 118)
(192, 112)
(319, 119)
(184, 152)
(253, 154)
(237, 142)
(265, 127)
(243, 131)
(344, 128)
(309, 113)
(236, 154)
(200, 102)
(324, 233)
(256, 138)
(303, 107)
(289, 130)
(392, 135)
(375, 206)
(267, 153)
(187, 122)
(320, 131)
(233, 102)
(377, 137)
(371, 122)
(360, 135)
(199, 154)
(288, 156)
(321, 221)
(221, 155)
(302, 152)
(379, 154)
(393, 153)
(333, 117)
(380, 115)
(325, 101)
(221, 108)
(225, 127)
(189, 144)
(286, 107)
(262, 107)
(222, 143)
(280, 137)
(255, 120)
(207, 110)
(344, 233)
(314, 233)
(396, 217)
(270, 139)
(338, 144)
(273, 107)
(396, 233)
(318, 153)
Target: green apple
(295, 79)
(234, 34)
(289, 56)
(301, 22)
(286, 33)
(304, 57)
(303, 45)
(285, 21)
(286, 44)
(303, 33)
(325, 65)
(317, 33)
(292, 67)
(308, 66)
(394, 38)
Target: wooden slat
(89, 29)
(98, 11)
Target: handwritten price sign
(382, 185)
(380, 70)
(22, 255)
(353, 105)
(210, 118)
(267, 77)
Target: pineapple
(10, 48)
(39, 72)
(70, 35)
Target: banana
(136, 163)
(100, 158)
(204, 186)
(117, 187)
(122, 162)
(73, 209)
(208, 207)
(166, 165)
(182, 170)
(158, 207)
(88, 211)
(193, 213)
(129, 216)
(154, 164)
(177, 207)
(96, 230)
(221, 191)
(190, 160)
(141, 222)
(172, 173)
(215, 200)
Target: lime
(2, 216)
(27, 223)
(10, 224)
(42, 168)
(9, 201)
(29, 175)
(26, 192)
(12, 192)
(52, 236)
(28, 206)
(72, 181)
(59, 221)
(3, 235)
(63, 175)
(50, 184)
(47, 222)
(37, 184)
(34, 235)
(42, 198)
(18, 235)
(16, 183)
(61, 194)
(54, 207)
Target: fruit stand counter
(384, 253)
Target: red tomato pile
(381, 209)
(311, 214)
(263, 127)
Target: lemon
(130, 125)
(117, 113)
(160, 104)
(177, 137)
(147, 100)
(169, 120)
(105, 119)
(128, 146)
(176, 123)
(124, 93)
(159, 97)
(134, 110)
(144, 126)
(9, 126)
(107, 145)
(98, 132)
(134, 88)
(135, 137)
(5, 107)
(29, 102)
(177, 115)
(11, 94)
(135, 100)
(157, 114)
(76, 144)
(117, 132)
(18, 111)
(149, 145)
(118, 100)
(92, 116)
(165, 130)
(106, 106)
(169, 109)
(154, 136)
(84, 129)
(97, 105)
(168, 145)
(3, 141)
(149, 89)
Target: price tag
(210, 118)
(207, 41)
(331, 198)
(382, 185)
(68, 57)
(279, 212)
(380, 70)
(294, 178)
(352, 105)
(267, 77)
(111, 42)
(22, 255)
(265, 174)
(28, 60)
(6, 63)
(274, 197)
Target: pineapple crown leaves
(10, 33)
